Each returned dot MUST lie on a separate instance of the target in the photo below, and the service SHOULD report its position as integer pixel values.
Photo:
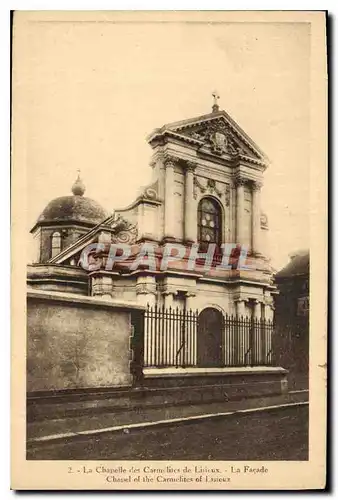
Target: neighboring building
(207, 178)
(292, 317)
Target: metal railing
(173, 338)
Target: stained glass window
(209, 221)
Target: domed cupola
(64, 220)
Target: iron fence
(170, 337)
(173, 338)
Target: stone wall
(77, 342)
(58, 278)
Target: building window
(56, 243)
(209, 222)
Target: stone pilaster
(257, 310)
(146, 290)
(240, 308)
(168, 299)
(146, 295)
(169, 206)
(256, 218)
(102, 286)
(190, 301)
(240, 183)
(190, 213)
(269, 312)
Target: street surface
(281, 434)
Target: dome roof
(74, 208)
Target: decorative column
(257, 310)
(240, 182)
(269, 312)
(256, 218)
(168, 298)
(240, 308)
(190, 301)
(190, 215)
(169, 207)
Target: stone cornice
(67, 224)
(248, 161)
(237, 281)
(162, 133)
(89, 301)
(40, 271)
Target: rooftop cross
(215, 106)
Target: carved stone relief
(210, 186)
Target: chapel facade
(207, 175)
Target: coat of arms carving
(218, 136)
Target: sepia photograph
(163, 187)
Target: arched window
(209, 222)
(56, 243)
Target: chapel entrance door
(210, 345)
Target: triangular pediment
(216, 132)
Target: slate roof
(73, 208)
(299, 265)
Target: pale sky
(96, 90)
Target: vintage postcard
(169, 215)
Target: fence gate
(210, 345)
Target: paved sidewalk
(71, 425)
